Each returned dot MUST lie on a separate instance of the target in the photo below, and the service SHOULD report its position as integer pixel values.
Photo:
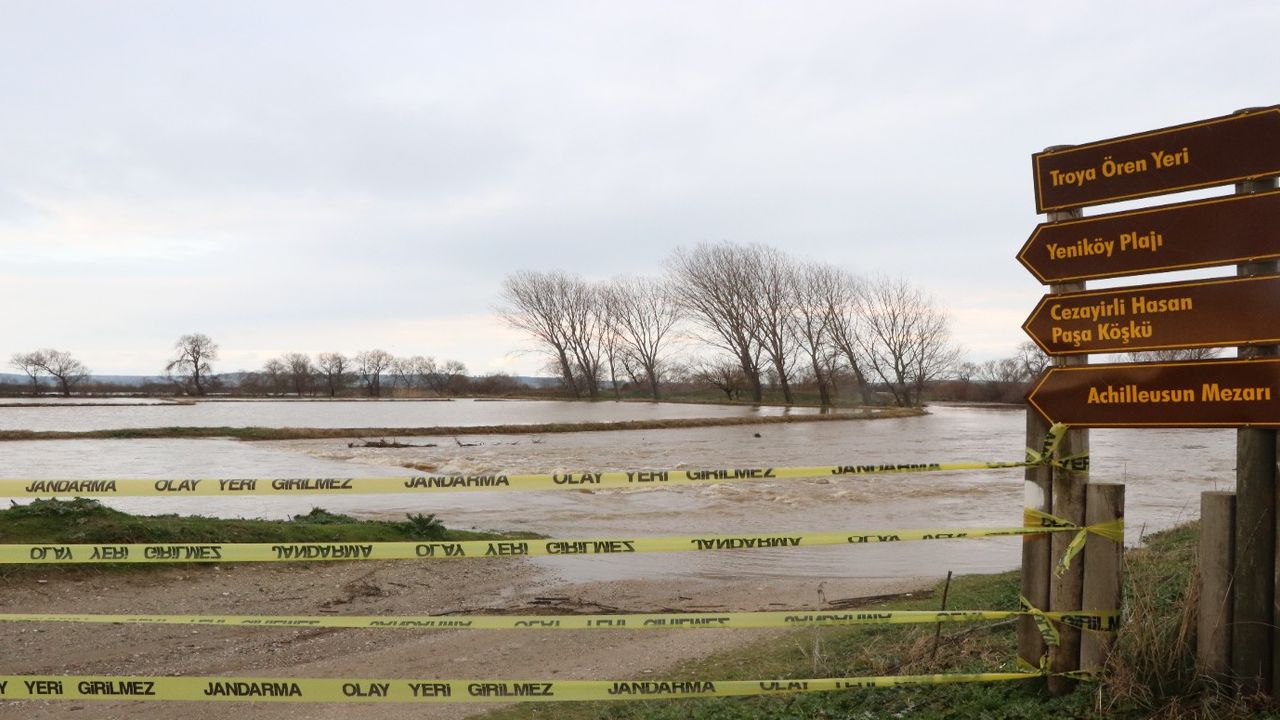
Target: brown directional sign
(1184, 157)
(1212, 393)
(1199, 313)
(1201, 233)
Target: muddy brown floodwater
(1165, 470)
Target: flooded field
(1165, 471)
(49, 414)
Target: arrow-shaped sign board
(1212, 393)
(1202, 233)
(1201, 154)
(1199, 313)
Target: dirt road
(387, 588)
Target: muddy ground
(386, 588)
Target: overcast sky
(317, 176)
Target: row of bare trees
(762, 313)
(1008, 380)
(1004, 380)
(190, 371)
(332, 373)
(594, 331)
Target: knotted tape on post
(1050, 633)
(1112, 530)
(1048, 452)
(1099, 621)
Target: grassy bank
(261, 433)
(1152, 673)
(87, 521)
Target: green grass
(1152, 672)
(87, 521)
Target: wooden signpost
(1209, 393)
(1241, 614)
(1201, 154)
(1202, 233)
(1200, 313)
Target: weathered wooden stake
(1216, 558)
(1036, 567)
(1067, 501)
(937, 629)
(1066, 590)
(1253, 640)
(1102, 560)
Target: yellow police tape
(1097, 621)
(366, 690)
(53, 553)
(1112, 530)
(140, 487)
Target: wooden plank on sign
(1209, 393)
(1194, 314)
(1201, 233)
(1200, 154)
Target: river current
(1164, 471)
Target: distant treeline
(369, 373)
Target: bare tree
(643, 313)
(723, 375)
(64, 368)
(371, 364)
(275, 375)
(335, 368)
(447, 378)
(535, 303)
(816, 285)
(844, 309)
(1031, 359)
(612, 348)
(906, 337)
(32, 365)
(773, 302)
(1003, 380)
(431, 376)
(713, 286)
(301, 372)
(192, 365)
(442, 378)
(406, 371)
(587, 330)
(1000, 372)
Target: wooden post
(1067, 502)
(1036, 563)
(1066, 590)
(1253, 629)
(1216, 557)
(1102, 560)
